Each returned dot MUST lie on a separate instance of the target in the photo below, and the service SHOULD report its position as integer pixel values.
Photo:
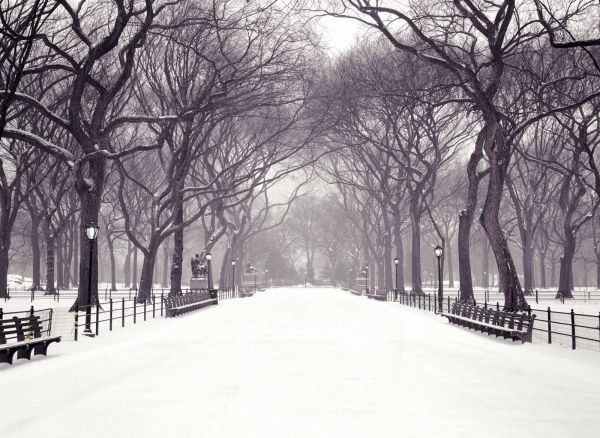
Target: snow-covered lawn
(301, 363)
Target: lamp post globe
(91, 232)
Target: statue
(251, 269)
(196, 269)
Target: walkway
(301, 363)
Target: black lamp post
(233, 275)
(439, 253)
(367, 279)
(396, 261)
(266, 277)
(209, 282)
(91, 232)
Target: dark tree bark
(134, 281)
(50, 248)
(60, 265)
(127, 266)
(450, 258)
(399, 250)
(113, 268)
(35, 250)
(165, 260)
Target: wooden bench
(246, 292)
(513, 325)
(381, 296)
(23, 336)
(179, 304)
(356, 292)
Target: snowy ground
(301, 363)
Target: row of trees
(485, 80)
(147, 118)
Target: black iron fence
(577, 330)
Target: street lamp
(266, 277)
(439, 253)
(91, 232)
(396, 261)
(208, 271)
(233, 275)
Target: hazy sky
(340, 33)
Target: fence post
(123, 312)
(76, 320)
(145, 301)
(58, 296)
(536, 297)
(31, 311)
(549, 325)
(153, 306)
(135, 309)
(497, 306)
(111, 314)
(448, 303)
(573, 329)
(162, 301)
(430, 302)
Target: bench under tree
(378, 294)
(179, 304)
(513, 325)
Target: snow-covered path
(301, 363)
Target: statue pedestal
(198, 283)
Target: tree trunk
(135, 269)
(113, 267)
(68, 257)
(127, 267)
(565, 280)
(225, 272)
(528, 264)
(89, 190)
(598, 271)
(466, 218)
(448, 256)
(50, 247)
(399, 251)
(485, 262)
(76, 258)
(165, 260)
(543, 283)
(146, 279)
(176, 265)
(60, 265)
(4, 260)
(508, 279)
(35, 251)
(417, 286)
